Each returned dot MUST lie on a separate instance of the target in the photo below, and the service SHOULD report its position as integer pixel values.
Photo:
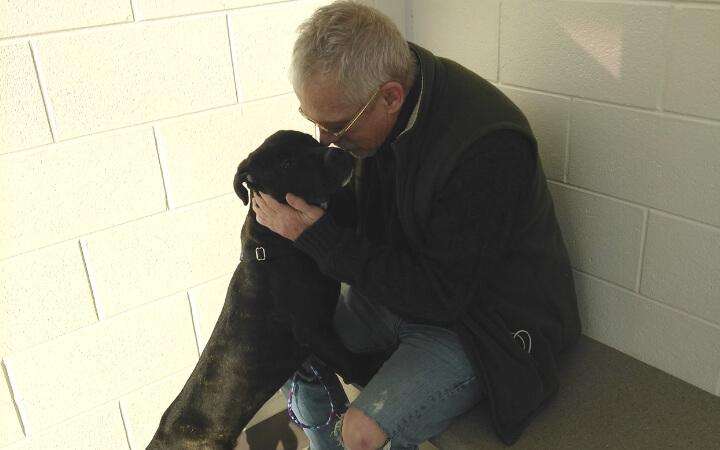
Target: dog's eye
(286, 164)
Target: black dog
(278, 310)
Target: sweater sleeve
(468, 234)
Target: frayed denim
(418, 392)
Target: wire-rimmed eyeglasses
(339, 134)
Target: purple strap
(290, 399)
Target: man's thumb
(310, 212)
(296, 202)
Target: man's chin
(356, 151)
(359, 152)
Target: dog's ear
(241, 177)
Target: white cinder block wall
(624, 97)
(122, 124)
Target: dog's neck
(262, 244)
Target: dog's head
(293, 162)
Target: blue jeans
(426, 383)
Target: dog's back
(278, 309)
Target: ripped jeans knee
(361, 432)
(337, 434)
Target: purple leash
(292, 415)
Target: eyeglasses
(339, 134)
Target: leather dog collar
(265, 253)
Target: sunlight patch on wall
(602, 41)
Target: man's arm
(468, 234)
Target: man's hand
(289, 220)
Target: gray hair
(358, 45)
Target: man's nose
(327, 138)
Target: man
(457, 266)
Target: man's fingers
(287, 220)
(267, 204)
(260, 200)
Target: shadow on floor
(275, 433)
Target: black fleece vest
(533, 289)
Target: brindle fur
(277, 312)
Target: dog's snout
(331, 157)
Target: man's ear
(393, 95)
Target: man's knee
(360, 432)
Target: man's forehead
(323, 99)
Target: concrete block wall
(624, 97)
(122, 123)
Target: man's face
(322, 100)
